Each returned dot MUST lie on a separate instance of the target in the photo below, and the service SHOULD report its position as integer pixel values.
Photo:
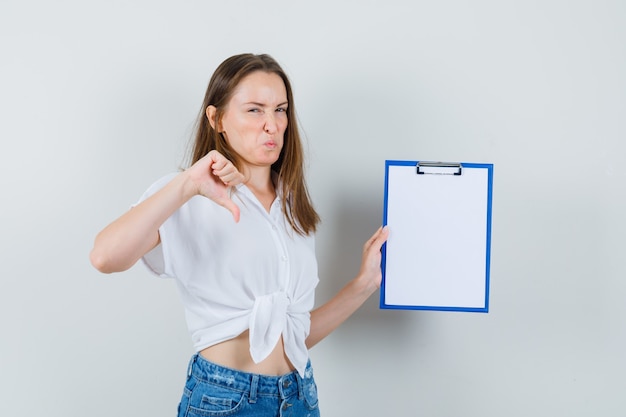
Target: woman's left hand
(330, 315)
(370, 272)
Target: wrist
(186, 185)
(363, 285)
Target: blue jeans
(214, 390)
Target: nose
(271, 126)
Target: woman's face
(255, 118)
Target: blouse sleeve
(158, 260)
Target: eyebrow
(254, 103)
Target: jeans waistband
(280, 386)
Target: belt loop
(191, 363)
(253, 388)
(300, 386)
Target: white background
(97, 100)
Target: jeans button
(286, 384)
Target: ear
(211, 112)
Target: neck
(259, 181)
(259, 178)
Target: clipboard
(438, 253)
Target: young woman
(236, 232)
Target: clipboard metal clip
(439, 168)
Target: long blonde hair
(295, 199)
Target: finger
(218, 161)
(383, 235)
(231, 177)
(378, 238)
(219, 166)
(373, 237)
(232, 207)
(227, 172)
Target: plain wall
(98, 99)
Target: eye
(254, 110)
(281, 110)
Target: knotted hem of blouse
(274, 315)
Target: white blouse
(258, 274)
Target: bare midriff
(235, 354)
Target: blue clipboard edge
(484, 309)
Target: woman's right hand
(119, 245)
(212, 176)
